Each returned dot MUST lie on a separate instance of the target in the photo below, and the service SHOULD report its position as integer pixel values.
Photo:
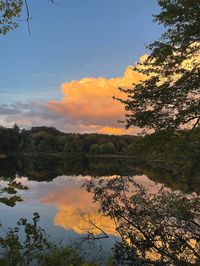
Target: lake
(67, 211)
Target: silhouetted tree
(169, 97)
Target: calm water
(56, 193)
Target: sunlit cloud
(115, 130)
(87, 105)
(89, 101)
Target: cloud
(26, 114)
(87, 106)
(89, 101)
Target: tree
(35, 248)
(11, 12)
(105, 148)
(155, 228)
(169, 96)
(11, 189)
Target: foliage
(61, 257)
(168, 98)
(9, 139)
(35, 243)
(8, 193)
(155, 228)
(50, 141)
(28, 244)
(105, 148)
(174, 148)
(9, 12)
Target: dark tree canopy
(169, 97)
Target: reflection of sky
(73, 204)
(59, 204)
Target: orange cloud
(89, 101)
(114, 131)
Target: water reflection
(163, 225)
(47, 168)
(74, 206)
(156, 228)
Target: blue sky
(71, 40)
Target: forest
(162, 145)
(49, 140)
(177, 153)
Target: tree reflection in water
(161, 228)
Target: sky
(79, 52)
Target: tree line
(49, 140)
(175, 150)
